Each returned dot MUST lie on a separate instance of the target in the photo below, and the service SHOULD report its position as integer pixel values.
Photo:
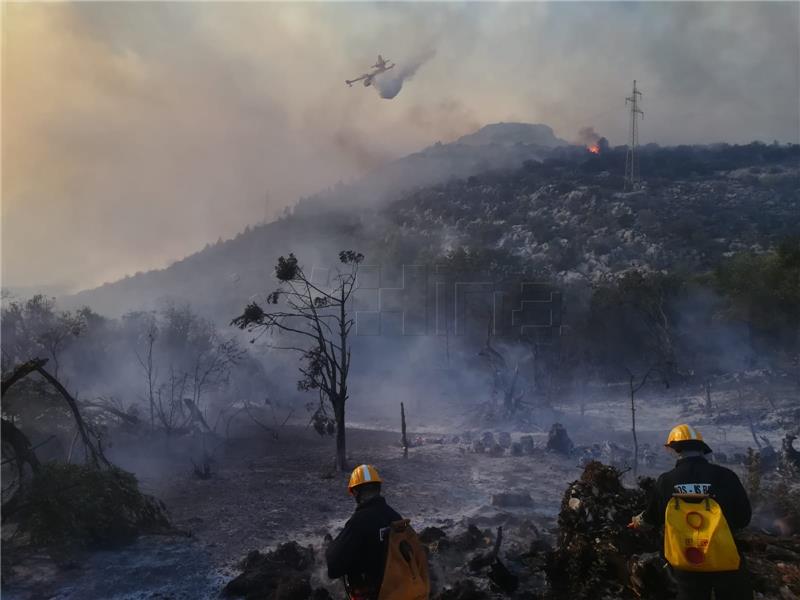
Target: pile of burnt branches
(597, 556)
(595, 547)
(282, 574)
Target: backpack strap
(401, 525)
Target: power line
(632, 156)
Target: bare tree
(169, 403)
(212, 366)
(196, 361)
(504, 380)
(150, 371)
(320, 318)
(634, 385)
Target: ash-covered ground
(265, 491)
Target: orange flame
(594, 149)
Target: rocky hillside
(544, 207)
(565, 217)
(496, 146)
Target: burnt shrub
(85, 506)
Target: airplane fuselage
(368, 77)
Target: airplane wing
(350, 82)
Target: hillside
(495, 146)
(563, 216)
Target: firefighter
(358, 553)
(702, 490)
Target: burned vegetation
(590, 554)
(64, 507)
(519, 437)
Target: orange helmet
(685, 433)
(363, 474)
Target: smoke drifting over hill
(163, 125)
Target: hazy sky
(134, 133)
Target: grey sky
(135, 133)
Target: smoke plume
(389, 83)
(587, 136)
(594, 142)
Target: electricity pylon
(632, 156)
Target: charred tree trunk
(20, 445)
(633, 430)
(37, 365)
(752, 426)
(707, 386)
(635, 387)
(509, 398)
(403, 428)
(129, 419)
(21, 371)
(95, 452)
(341, 445)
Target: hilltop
(495, 196)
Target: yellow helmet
(686, 433)
(363, 474)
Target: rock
(472, 539)
(283, 571)
(649, 577)
(431, 534)
(516, 449)
(293, 588)
(504, 439)
(496, 450)
(526, 442)
(507, 499)
(504, 579)
(558, 441)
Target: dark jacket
(359, 551)
(695, 475)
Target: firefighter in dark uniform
(694, 475)
(359, 551)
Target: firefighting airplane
(380, 67)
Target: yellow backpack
(697, 536)
(405, 576)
